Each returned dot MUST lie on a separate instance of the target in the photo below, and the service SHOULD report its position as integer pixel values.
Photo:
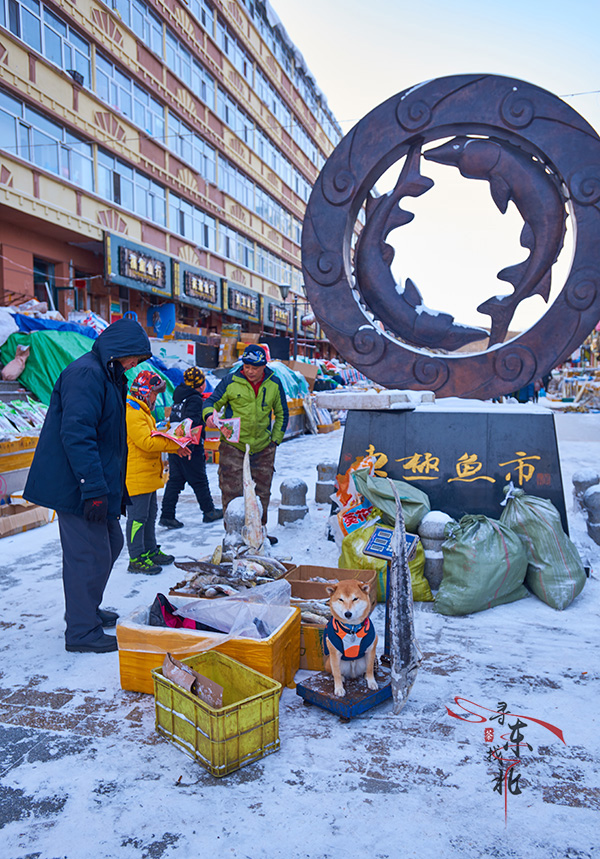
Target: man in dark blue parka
(79, 470)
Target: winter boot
(158, 557)
(213, 515)
(170, 523)
(143, 564)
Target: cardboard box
(311, 634)
(309, 371)
(303, 588)
(142, 647)
(24, 516)
(182, 350)
(227, 351)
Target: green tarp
(51, 351)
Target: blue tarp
(27, 324)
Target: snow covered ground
(83, 773)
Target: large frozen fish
(253, 532)
(405, 655)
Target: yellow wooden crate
(142, 648)
(17, 453)
(329, 427)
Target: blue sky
(363, 51)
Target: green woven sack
(555, 572)
(484, 566)
(377, 490)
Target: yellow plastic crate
(143, 647)
(243, 730)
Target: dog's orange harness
(352, 641)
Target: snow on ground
(83, 773)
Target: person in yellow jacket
(145, 474)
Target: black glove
(95, 509)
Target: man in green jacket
(253, 393)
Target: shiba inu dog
(350, 641)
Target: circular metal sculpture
(534, 150)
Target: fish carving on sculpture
(514, 175)
(402, 310)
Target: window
(131, 189)
(148, 113)
(235, 183)
(142, 21)
(305, 143)
(236, 247)
(233, 116)
(234, 51)
(203, 13)
(134, 102)
(203, 84)
(191, 148)
(273, 39)
(41, 141)
(274, 102)
(40, 28)
(178, 58)
(191, 222)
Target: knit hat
(194, 377)
(254, 355)
(146, 383)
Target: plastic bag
(353, 558)
(257, 613)
(347, 493)
(555, 572)
(415, 503)
(14, 368)
(8, 325)
(484, 566)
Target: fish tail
(514, 273)
(500, 309)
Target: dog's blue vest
(352, 641)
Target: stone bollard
(431, 531)
(326, 486)
(293, 500)
(591, 502)
(582, 481)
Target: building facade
(156, 152)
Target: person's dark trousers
(231, 481)
(89, 551)
(141, 523)
(182, 471)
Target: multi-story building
(156, 152)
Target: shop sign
(193, 286)
(278, 315)
(243, 303)
(137, 267)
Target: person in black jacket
(188, 403)
(79, 470)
